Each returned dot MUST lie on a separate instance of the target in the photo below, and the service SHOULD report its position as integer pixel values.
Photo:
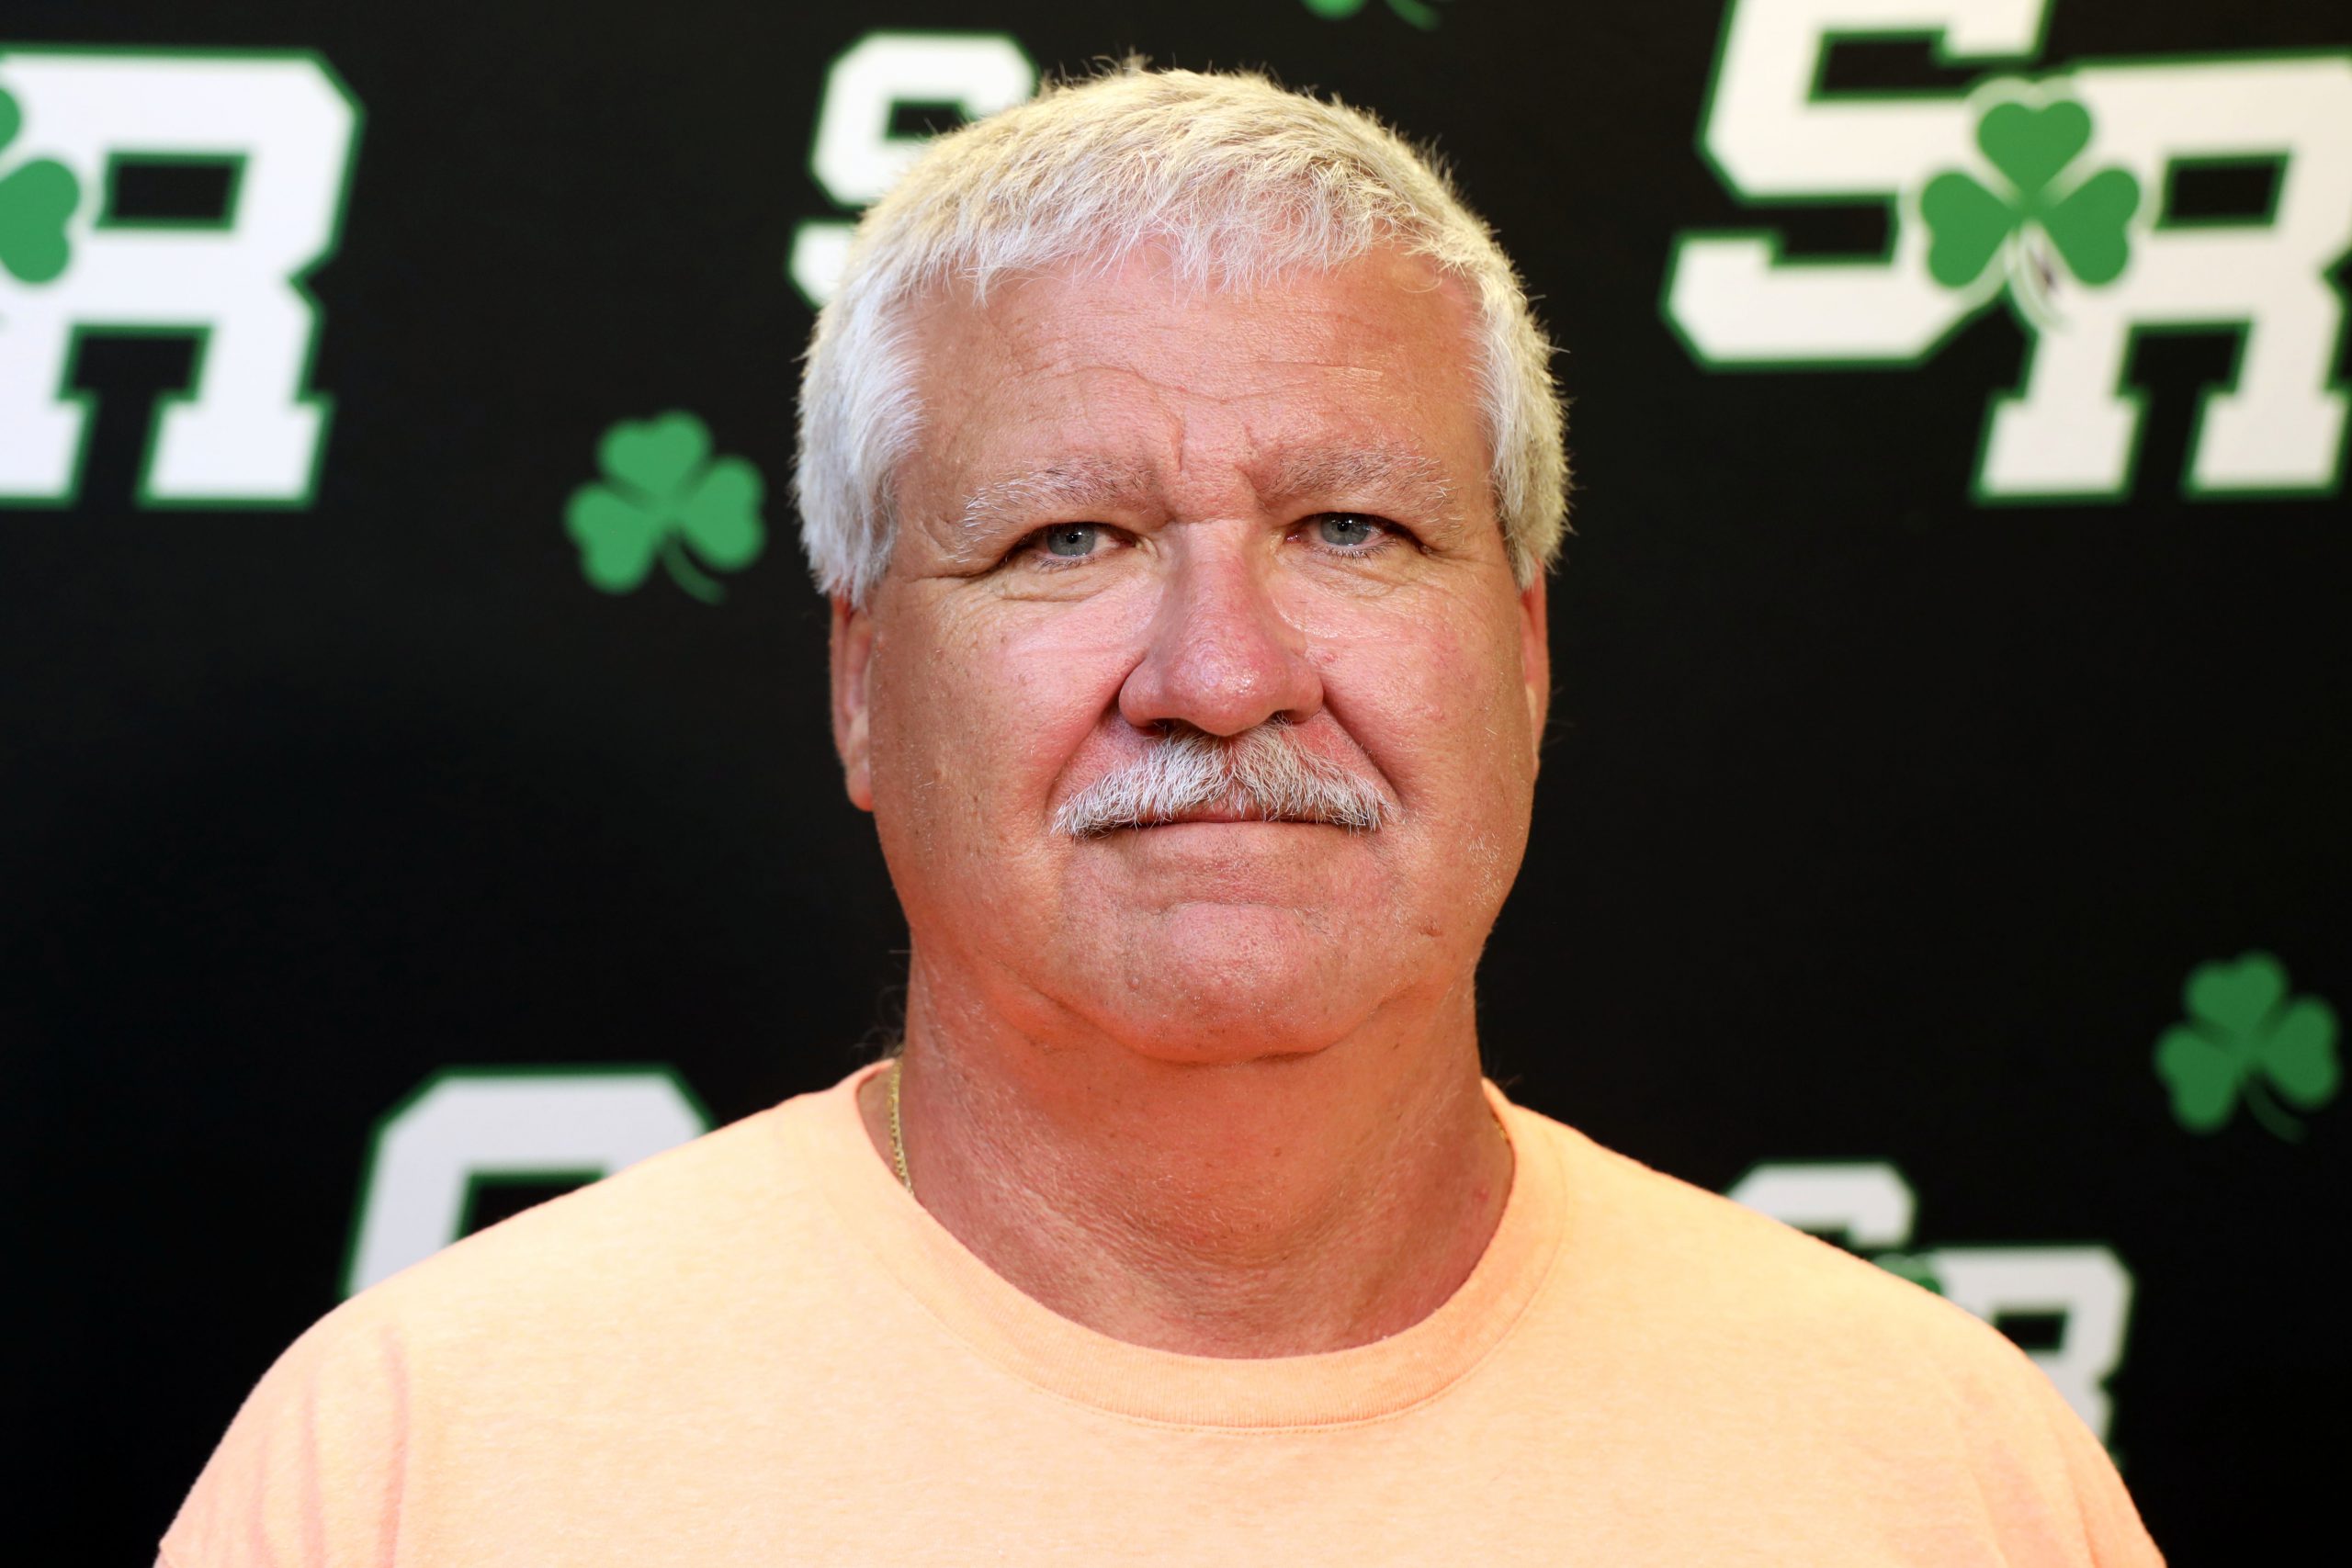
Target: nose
(1220, 657)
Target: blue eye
(1346, 531)
(1071, 540)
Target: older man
(1182, 460)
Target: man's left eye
(1348, 530)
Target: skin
(1210, 1085)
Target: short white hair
(1237, 180)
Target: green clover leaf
(1967, 225)
(36, 199)
(2030, 144)
(661, 495)
(2086, 223)
(2244, 1031)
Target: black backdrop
(1876, 824)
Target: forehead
(1130, 373)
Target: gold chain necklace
(898, 1135)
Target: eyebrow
(1065, 488)
(1382, 469)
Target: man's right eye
(1072, 541)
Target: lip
(1217, 818)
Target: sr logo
(248, 433)
(859, 151)
(2055, 193)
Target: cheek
(979, 714)
(1431, 690)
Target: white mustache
(1262, 773)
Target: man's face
(1139, 510)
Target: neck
(1279, 1205)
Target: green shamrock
(36, 199)
(1421, 14)
(2242, 1030)
(2084, 222)
(660, 494)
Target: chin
(1230, 985)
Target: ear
(853, 653)
(1535, 659)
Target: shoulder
(1703, 1259)
(538, 1319)
(671, 1215)
(1824, 1364)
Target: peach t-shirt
(757, 1349)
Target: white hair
(1237, 181)
(1263, 771)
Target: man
(1182, 459)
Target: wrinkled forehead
(1316, 468)
(1087, 382)
(1147, 278)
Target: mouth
(1227, 818)
(1229, 814)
